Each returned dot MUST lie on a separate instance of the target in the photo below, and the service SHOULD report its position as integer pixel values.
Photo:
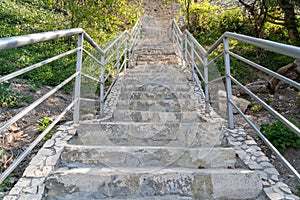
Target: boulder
(240, 102)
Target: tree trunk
(290, 21)
(187, 5)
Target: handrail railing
(123, 45)
(185, 42)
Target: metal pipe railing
(268, 143)
(294, 128)
(266, 70)
(37, 65)
(21, 157)
(78, 79)
(276, 47)
(36, 103)
(283, 49)
(123, 48)
(24, 40)
(93, 44)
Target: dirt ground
(17, 137)
(287, 102)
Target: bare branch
(274, 22)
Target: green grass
(18, 18)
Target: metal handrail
(23, 40)
(283, 49)
(37, 65)
(126, 39)
(280, 48)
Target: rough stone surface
(240, 102)
(157, 181)
(251, 155)
(31, 186)
(155, 142)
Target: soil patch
(17, 137)
(286, 101)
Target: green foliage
(268, 101)
(102, 20)
(43, 123)
(21, 17)
(256, 108)
(28, 99)
(280, 135)
(232, 20)
(210, 19)
(6, 183)
(8, 98)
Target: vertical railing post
(173, 37)
(181, 49)
(138, 33)
(78, 80)
(206, 89)
(186, 48)
(118, 59)
(228, 82)
(125, 53)
(193, 60)
(102, 85)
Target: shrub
(8, 98)
(280, 135)
(43, 123)
(232, 20)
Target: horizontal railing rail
(117, 51)
(23, 40)
(187, 46)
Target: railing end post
(101, 114)
(78, 79)
(206, 88)
(228, 83)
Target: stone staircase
(158, 143)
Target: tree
(187, 4)
(290, 20)
(100, 18)
(257, 11)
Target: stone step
(157, 81)
(139, 79)
(164, 62)
(152, 50)
(158, 58)
(150, 134)
(159, 75)
(165, 197)
(150, 73)
(169, 105)
(155, 56)
(133, 156)
(155, 87)
(94, 196)
(156, 67)
(155, 95)
(155, 116)
(145, 69)
(113, 182)
(156, 45)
